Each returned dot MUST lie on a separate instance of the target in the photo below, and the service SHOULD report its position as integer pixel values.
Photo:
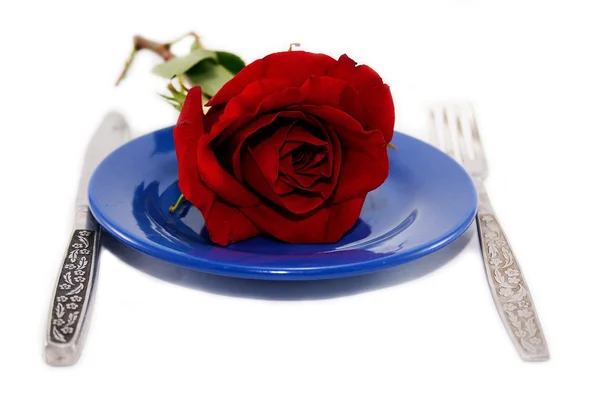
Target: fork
(454, 131)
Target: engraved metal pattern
(510, 289)
(454, 131)
(72, 287)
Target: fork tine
(462, 139)
(433, 131)
(477, 144)
(449, 135)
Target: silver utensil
(454, 131)
(72, 300)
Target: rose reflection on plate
(426, 203)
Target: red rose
(290, 147)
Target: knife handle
(507, 284)
(73, 294)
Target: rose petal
(324, 225)
(300, 133)
(218, 179)
(360, 77)
(304, 181)
(331, 168)
(254, 176)
(324, 169)
(243, 108)
(308, 178)
(328, 91)
(288, 147)
(299, 202)
(364, 166)
(263, 96)
(318, 166)
(229, 151)
(364, 154)
(212, 117)
(259, 98)
(379, 110)
(303, 158)
(293, 66)
(282, 187)
(227, 224)
(375, 96)
(286, 166)
(266, 151)
(342, 217)
(293, 202)
(186, 134)
(330, 116)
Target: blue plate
(427, 202)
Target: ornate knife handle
(73, 294)
(507, 283)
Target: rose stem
(161, 49)
(177, 204)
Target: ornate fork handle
(507, 283)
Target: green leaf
(233, 63)
(210, 75)
(180, 65)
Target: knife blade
(72, 300)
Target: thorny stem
(127, 65)
(140, 43)
(177, 204)
(161, 49)
(192, 34)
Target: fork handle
(507, 284)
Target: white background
(425, 330)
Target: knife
(72, 299)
